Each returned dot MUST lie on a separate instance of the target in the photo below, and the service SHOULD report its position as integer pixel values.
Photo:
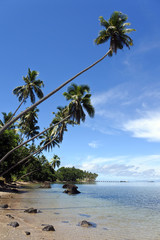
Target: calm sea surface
(118, 211)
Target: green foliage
(115, 31)
(80, 101)
(31, 87)
(42, 171)
(27, 124)
(73, 174)
(21, 162)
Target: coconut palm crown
(80, 98)
(31, 86)
(116, 31)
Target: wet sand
(65, 228)
(64, 212)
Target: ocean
(117, 210)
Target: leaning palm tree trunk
(51, 93)
(27, 174)
(16, 110)
(26, 158)
(11, 151)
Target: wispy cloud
(147, 127)
(109, 96)
(93, 144)
(141, 167)
(130, 108)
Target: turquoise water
(140, 195)
(118, 211)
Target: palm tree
(62, 118)
(6, 118)
(115, 31)
(119, 44)
(55, 161)
(28, 158)
(62, 126)
(28, 123)
(32, 139)
(80, 98)
(31, 87)
(49, 140)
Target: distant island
(67, 174)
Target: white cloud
(147, 127)
(111, 95)
(141, 167)
(93, 144)
(128, 107)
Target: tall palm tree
(119, 44)
(32, 139)
(62, 126)
(46, 145)
(80, 99)
(116, 31)
(55, 161)
(28, 123)
(31, 87)
(62, 117)
(6, 118)
(49, 140)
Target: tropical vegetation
(115, 30)
(20, 156)
(24, 159)
(66, 174)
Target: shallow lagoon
(118, 211)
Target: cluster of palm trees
(79, 96)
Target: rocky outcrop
(45, 184)
(70, 189)
(84, 223)
(48, 228)
(4, 206)
(10, 216)
(14, 224)
(31, 210)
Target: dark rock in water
(27, 233)
(48, 228)
(84, 223)
(10, 216)
(31, 210)
(14, 224)
(46, 184)
(71, 189)
(4, 206)
(69, 186)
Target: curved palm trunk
(11, 151)
(26, 158)
(16, 110)
(27, 174)
(50, 94)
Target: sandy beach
(112, 221)
(32, 223)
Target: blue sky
(56, 38)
